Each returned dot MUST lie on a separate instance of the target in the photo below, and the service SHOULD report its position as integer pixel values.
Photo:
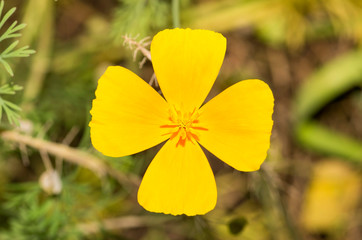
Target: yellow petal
(179, 180)
(126, 114)
(239, 123)
(186, 63)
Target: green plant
(11, 32)
(334, 79)
(139, 18)
(11, 110)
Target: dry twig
(66, 141)
(72, 155)
(122, 223)
(140, 46)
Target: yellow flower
(129, 116)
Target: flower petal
(179, 180)
(126, 114)
(239, 123)
(186, 63)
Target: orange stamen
(183, 127)
(200, 128)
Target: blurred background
(54, 185)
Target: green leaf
(318, 138)
(323, 86)
(9, 113)
(1, 7)
(11, 110)
(10, 32)
(4, 89)
(21, 52)
(10, 89)
(12, 105)
(7, 67)
(333, 79)
(19, 27)
(7, 51)
(17, 87)
(7, 16)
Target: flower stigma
(184, 126)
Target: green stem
(176, 13)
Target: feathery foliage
(11, 110)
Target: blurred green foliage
(32, 214)
(326, 84)
(12, 31)
(281, 22)
(8, 33)
(140, 18)
(11, 110)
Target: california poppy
(129, 116)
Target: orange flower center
(183, 126)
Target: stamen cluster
(183, 125)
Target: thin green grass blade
(329, 82)
(321, 139)
(326, 84)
